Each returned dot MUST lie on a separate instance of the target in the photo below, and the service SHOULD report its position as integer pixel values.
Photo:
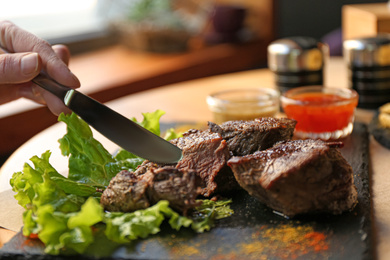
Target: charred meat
(205, 156)
(247, 137)
(179, 187)
(125, 193)
(297, 177)
(292, 177)
(128, 192)
(206, 153)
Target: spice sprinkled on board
(285, 242)
(185, 250)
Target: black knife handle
(50, 85)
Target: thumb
(19, 67)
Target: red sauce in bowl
(318, 112)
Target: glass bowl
(321, 112)
(243, 104)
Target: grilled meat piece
(179, 187)
(206, 153)
(247, 137)
(297, 177)
(128, 192)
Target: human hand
(28, 56)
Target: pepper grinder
(368, 61)
(297, 61)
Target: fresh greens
(87, 157)
(65, 213)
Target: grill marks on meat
(206, 153)
(128, 192)
(180, 188)
(297, 177)
(247, 137)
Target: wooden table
(186, 102)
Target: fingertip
(62, 74)
(76, 80)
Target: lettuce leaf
(125, 227)
(65, 212)
(36, 187)
(151, 121)
(72, 231)
(87, 156)
(171, 134)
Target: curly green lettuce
(65, 213)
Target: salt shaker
(297, 61)
(368, 61)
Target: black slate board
(254, 231)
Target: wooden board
(254, 231)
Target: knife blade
(119, 129)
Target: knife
(119, 129)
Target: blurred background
(123, 47)
(75, 21)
